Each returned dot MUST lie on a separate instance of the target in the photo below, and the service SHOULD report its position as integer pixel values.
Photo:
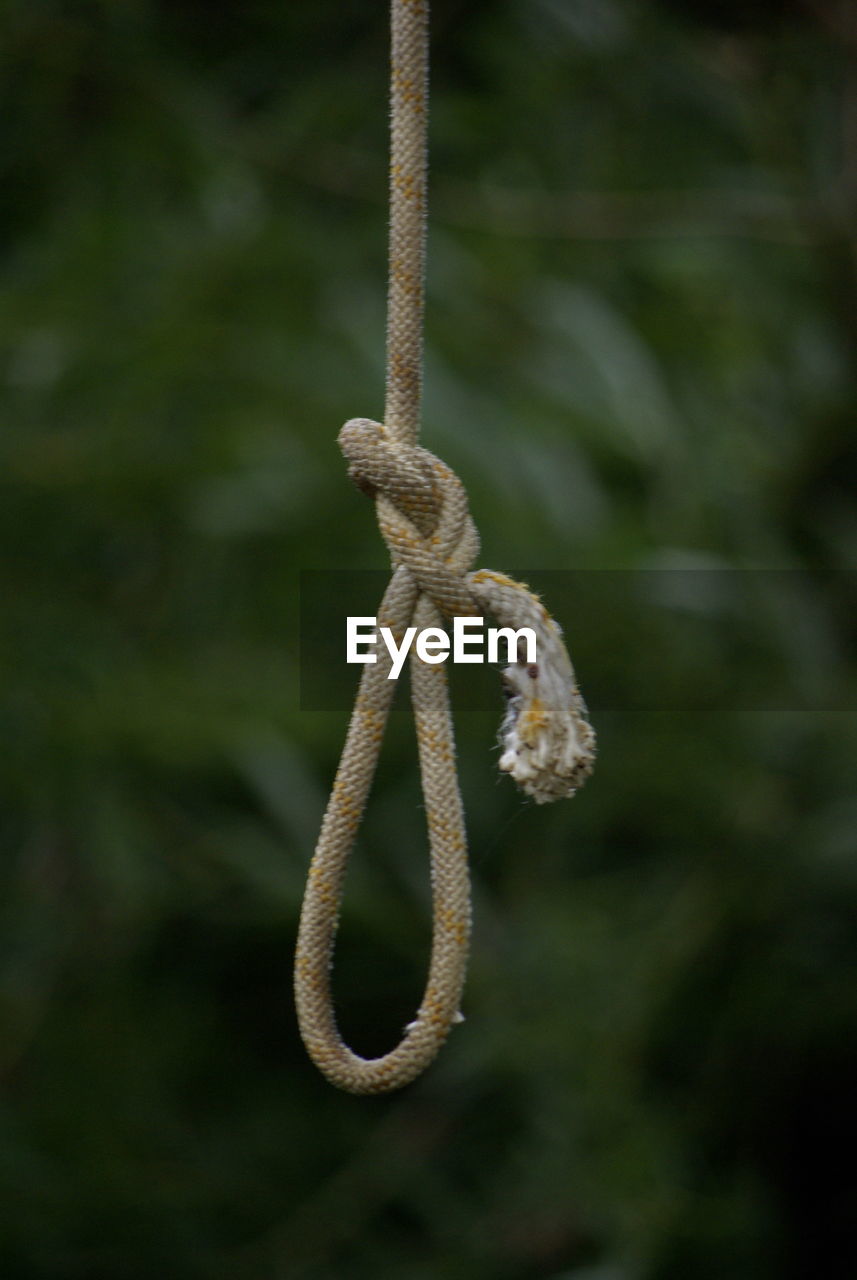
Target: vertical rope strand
(409, 61)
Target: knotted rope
(423, 516)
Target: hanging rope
(423, 517)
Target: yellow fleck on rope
(423, 516)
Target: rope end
(547, 740)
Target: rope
(423, 516)
(409, 68)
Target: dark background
(642, 321)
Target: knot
(422, 512)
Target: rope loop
(548, 744)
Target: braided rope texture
(422, 511)
(409, 70)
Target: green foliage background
(641, 341)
